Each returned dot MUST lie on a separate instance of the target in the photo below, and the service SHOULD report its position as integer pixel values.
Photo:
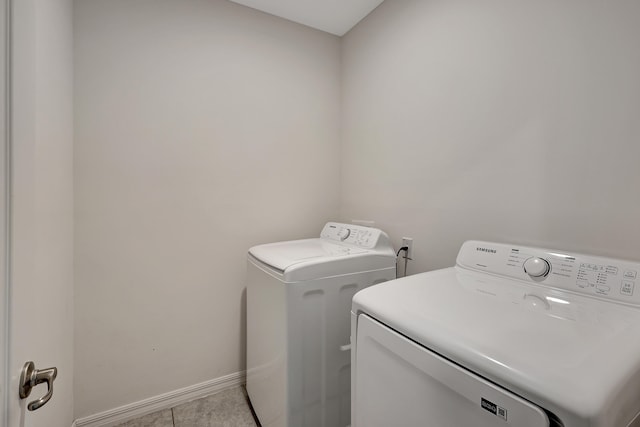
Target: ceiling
(333, 16)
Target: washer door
(399, 383)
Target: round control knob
(344, 233)
(537, 267)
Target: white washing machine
(510, 336)
(298, 305)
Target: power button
(627, 287)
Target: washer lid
(282, 255)
(309, 259)
(577, 356)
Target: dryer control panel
(596, 276)
(355, 235)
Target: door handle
(31, 377)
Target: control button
(602, 289)
(344, 233)
(537, 267)
(627, 288)
(630, 274)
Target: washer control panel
(597, 276)
(356, 235)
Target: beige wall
(203, 128)
(494, 120)
(497, 120)
(41, 323)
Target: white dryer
(511, 335)
(298, 305)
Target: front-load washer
(511, 335)
(298, 306)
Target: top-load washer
(511, 335)
(298, 305)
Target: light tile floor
(229, 408)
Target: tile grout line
(213, 408)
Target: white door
(3, 215)
(399, 383)
(38, 214)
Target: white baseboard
(124, 413)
